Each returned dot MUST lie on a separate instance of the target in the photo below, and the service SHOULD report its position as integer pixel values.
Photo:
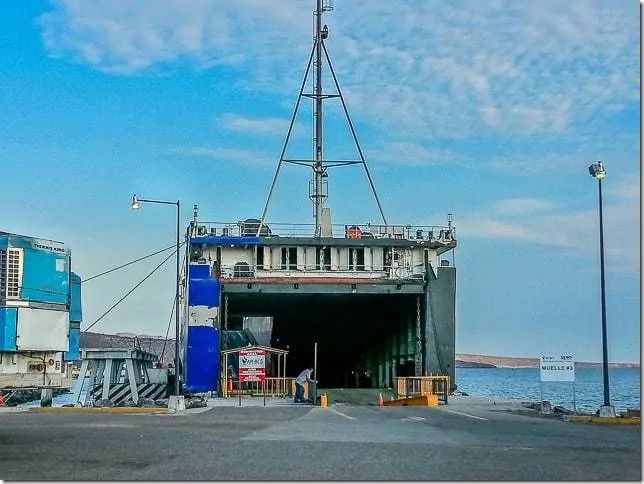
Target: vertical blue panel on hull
(8, 328)
(199, 271)
(75, 306)
(204, 292)
(74, 342)
(202, 359)
(75, 318)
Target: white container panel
(42, 330)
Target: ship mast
(317, 186)
(319, 171)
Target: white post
(279, 372)
(226, 376)
(107, 376)
(574, 402)
(315, 361)
(131, 376)
(81, 376)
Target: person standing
(303, 377)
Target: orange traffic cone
(380, 401)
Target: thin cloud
(628, 188)
(412, 154)
(575, 230)
(485, 228)
(572, 154)
(520, 206)
(235, 155)
(543, 67)
(258, 126)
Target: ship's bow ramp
(379, 301)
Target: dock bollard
(323, 400)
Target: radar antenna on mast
(319, 165)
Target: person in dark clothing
(302, 378)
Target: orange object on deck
(420, 401)
(354, 232)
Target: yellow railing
(412, 386)
(270, 387)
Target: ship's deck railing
(366, 230)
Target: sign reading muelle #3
(557, 368)
(252, 365)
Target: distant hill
(151, 344)
(155, 344)
(472, 364)
(485, 361)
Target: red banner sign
(252, 365)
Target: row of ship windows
(356, 259)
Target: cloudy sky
(489, 110)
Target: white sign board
(252, 361)
(557, 368)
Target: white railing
(435, 233)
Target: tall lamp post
(597, 171)
(135, 206)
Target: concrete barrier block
(176, 403)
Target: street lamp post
(597, 171)
(135, 206)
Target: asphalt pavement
(341, 442)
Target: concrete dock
(470, 439)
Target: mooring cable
(130, 291)
(167, 331)
(128, 263)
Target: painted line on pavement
(464, 414)
(420, 419)
(341, 414)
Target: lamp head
(596, 170)
(135, 203)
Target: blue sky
(491, 111)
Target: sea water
(524, 384)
